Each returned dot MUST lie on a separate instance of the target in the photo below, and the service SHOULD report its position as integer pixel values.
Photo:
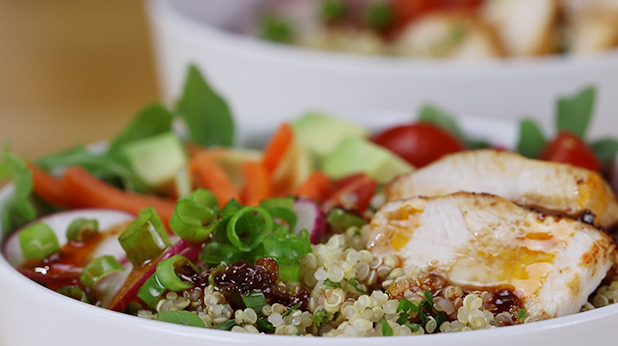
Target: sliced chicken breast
(486, 242)
(548, 186)
(448, 35)
(525, 27)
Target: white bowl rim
(255, 48)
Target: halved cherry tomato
(419, 144)
(352, 192)
(408, 10)
(568, 148)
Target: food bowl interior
(265, 80)
(34, 315)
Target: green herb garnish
(319, 317)
(575, 112)
(354, 283)
(186, 318)
(386, 328)
(206, 114)
(531, 139)
(521, 314)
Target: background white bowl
(33, 315)
(264, 79)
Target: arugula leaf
(434, 115)
(531, 139)
(109, 167)
(152, 120)
(605, 149)
(19, 209)
(183, 317)
(575, 112)
(206, 114)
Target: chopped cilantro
(319, 317)
(386, 329)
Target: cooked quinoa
(356, 293)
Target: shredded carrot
(277, 147)
(87, 191)
(210, 175)
(315, 187)
(47, 186)
(204, 156)
(257, 183)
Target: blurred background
(71, 71)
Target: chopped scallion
(193, 221)
(289, 272)
(80, 230)
(151, 291)
(145, 238)
(386, 328)
(248, 228)
(38, 241)
(166, 273)
(98, 269)
(340, 220)
(74, 292)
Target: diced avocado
(321, 134)
(356, 155)
(157, 159)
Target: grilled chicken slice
(448, 35)
(548, 186)
(591, 25)
(481, 241)
(525, 27)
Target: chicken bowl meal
(332, 229)
(446, 29)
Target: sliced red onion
(311, 218)
(137, 277)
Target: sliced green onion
(287, 248)
(333, 10)
(287, 216)
(193, 221)
(151, 291)
(214, 272)
(255, 300)
(204, 197)
(341, 220)
(278, 202)
(98, 269)
(231, 208)
(289, 273)
(215, 253)
(166, 273)
(248, 228)
(80, 230)
(145, 238)
(38, 241)
(183, 317)
(74, 292)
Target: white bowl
(266, 79)
(33, 315)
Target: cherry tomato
(352, 192)
(408, 10)
(568, 148)
(420, 144)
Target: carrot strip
(204, 156)
(86, 191)
(211, 176)
(257, 183)
(47, 186)
(277, 146)
(315, 187)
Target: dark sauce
(241, 278)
